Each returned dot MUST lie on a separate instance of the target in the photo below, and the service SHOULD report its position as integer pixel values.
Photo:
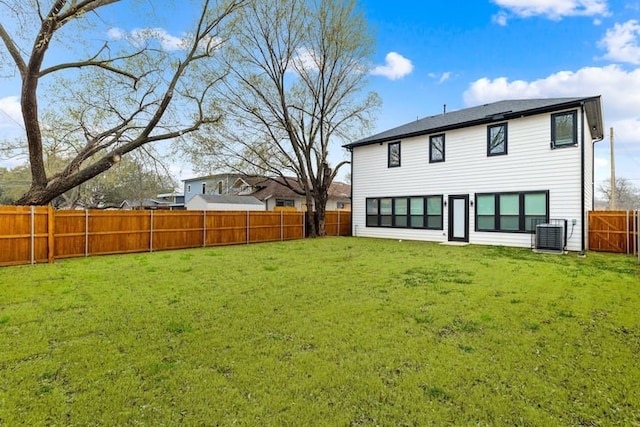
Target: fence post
(86, 232)
(51, 235)
(204, 229)
(339, 230)
(247, 227)
(33, 235)
(626, 223)
(150, 231)
(281, 226)
(304, 223)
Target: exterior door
(459, 218)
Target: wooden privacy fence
(614, 231)
(41, 234)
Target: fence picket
(40, 234)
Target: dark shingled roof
(487, 113)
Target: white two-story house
(496, 174)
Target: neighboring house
(220, 184)
(144, 204)
(273, 193)
(277, 195)
(211, 202)
(486, 175)
(175, 200)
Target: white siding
(197, 203)
(530, 165)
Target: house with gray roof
(275, 193)
(513, 172)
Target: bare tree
(116, 99)
(298, 71)
(627, 194)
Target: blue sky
(464, 53)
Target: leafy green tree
(13, 184)
(113, 99)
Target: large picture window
(436, 148)
(564, 129)
(497, 140)
(405, 212)
(393, 160)
(511, 212)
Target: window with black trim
(497, 139)
(436, 148)
(393, 160)
(511, 212)
(564, 129)
(405, 212)
(285, 203)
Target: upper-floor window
(436, 148)
(564, 129)
(393, 160)
(497, 139)
(204, 188)
(188, 188)
(219, 187)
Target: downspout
(582, 168)
(351, 191)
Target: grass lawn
(334, 331)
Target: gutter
(582, 168)
(479, 121)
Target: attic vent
(551, 237)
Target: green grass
(335, 331)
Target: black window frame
(498, 216)
(285, 203)
(491, 153)
(574, 130)
(432, 138)
(375, 217)
(391, 163)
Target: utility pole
(612, 197)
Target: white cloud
(305, 59)
(396, 67)
(621, 42)
(441, 77)
(445, 76)
(116, 33)
(618, 87)
(500, 18)
(141, 36)
(552, 9)
(10, 113)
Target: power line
(12, 119)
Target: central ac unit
(550, 237)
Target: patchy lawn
(334, 331)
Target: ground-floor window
(285, 202)
(512, 212)
(405, 212)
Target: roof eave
(490, 119)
